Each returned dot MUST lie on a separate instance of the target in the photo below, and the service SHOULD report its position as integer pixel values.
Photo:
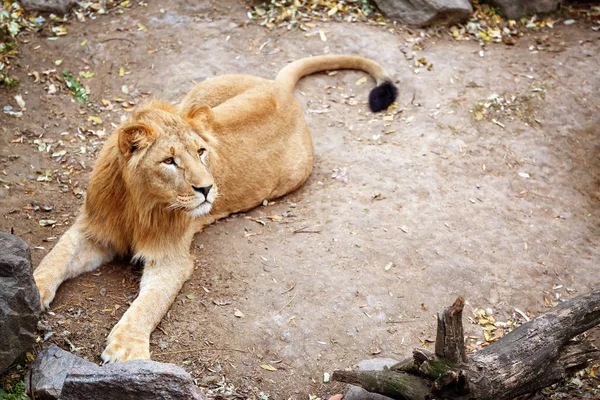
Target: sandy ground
(506, 216)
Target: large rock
(514, 9)
(57, 374)
(131, 380)
(49, 6)
(19, 300)
(373, 364)
(48, 372)
(426, 12)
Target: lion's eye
(201, 152)
(169, 160)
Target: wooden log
(510, 366)
(533, 356)
(450, 340)
(398, 385)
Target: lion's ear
(135, 136)
(202, 114)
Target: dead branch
(533, 356)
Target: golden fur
(233, 142)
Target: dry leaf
(361, 81)
(322, 35)
(268, 367)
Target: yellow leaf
(141, 27)
(361, 81)
(268, 367)
(121, 71)
(84, 42)
(95, 120)
(322, 35)
(86, 74)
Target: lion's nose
(204, 190)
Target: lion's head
(167, 157)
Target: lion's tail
(380, 98)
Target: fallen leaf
(524, 175)
(47, 222)
(75, 87)
(361, 81)
(86, 75)
(268, 367)
(322, 35)
(20, 101)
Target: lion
(233, 142)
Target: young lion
(234, 141)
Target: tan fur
(258, 147)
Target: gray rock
(356, 393)
(131, 380)
(19, 300)
(373, 364)
(48, 372)
(514, 9)
(49, 6)
(426, 12)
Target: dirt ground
(504, 213)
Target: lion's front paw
(124, 345)
(47, 293)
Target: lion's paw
(122, 345)
(47, 293)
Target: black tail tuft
(382, 96)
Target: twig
(290, 288)
(304, 230)
(118, 38)
(195, 350)
(543, 195)
(401, 322)
(288, 303)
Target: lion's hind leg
(73, 255)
